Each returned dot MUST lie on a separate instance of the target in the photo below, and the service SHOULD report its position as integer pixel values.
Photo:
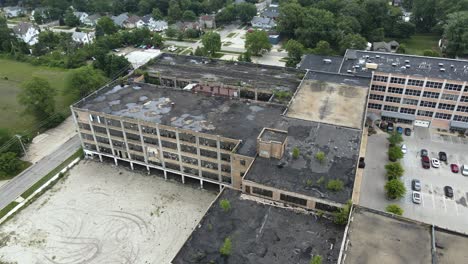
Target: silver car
(416, 197)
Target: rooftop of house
(377, 238)
(359, 62)
(133, 19)
(222, 116)
(227, 72)
(306, 174)
(23, 27)
(120, 19)
(260, 234)
(271, 12)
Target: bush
(320, 156)
(395, 189)
(394, 170)
(335, 185)
(317, 259)
(341, 216)
(395, 153)
(225, 204)
(296, 153)
(395, 139)
(394, 209)
(226, 247)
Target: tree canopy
(83, 81)
(211, 42)
(37, 96)
(257, 42)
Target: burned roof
(356, 62)
(222, 116)
(306, 174)
(260, 234)
(199, 69)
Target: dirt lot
(104, 214)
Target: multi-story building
(195, 125)
(423, 91)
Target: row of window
(420, 112)
(460, 118)
(420, 83)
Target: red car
(425, 162)
(454, 168)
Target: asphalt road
(18, 185)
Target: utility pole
(21, 142)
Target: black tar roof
(338, 78)
(222, 116)
(306, 175)
(321, 63)
(355, 62)
(260, 234)
(228, 72)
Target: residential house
(91, 20)
(271, 12)
(207, 21)
(262, 5)
(159, 26)
(131, 21)
(382, 46)
(182, 26)
(81, 16)
(120, 19)
(151, 24)
(28, 32)
(14, 11)
(83, 37)
(263, 22)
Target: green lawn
(420, 42)
(11, 116)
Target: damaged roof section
(201, 69)
(305, 174)
(260, 234)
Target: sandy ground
(104, 214)
(47, 142)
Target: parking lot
(435, 208)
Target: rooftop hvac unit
(372, 66)
(442, 69)
(407, 66)
(406, 61)
(394, 64)
(452, 66)
(441, 64)
(377, 56)
(349, 71)
(327, 61)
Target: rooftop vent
(441, 64)
(442, 69)
(408, 66)
(327, 61)
(349, 71)
(394, 64)
(372, 66)
(406, 61)
(402, 67)
(377, 56)
(452, 66)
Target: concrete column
(183, 179)
(178, 151)
(218, 147)
(175, 82)
(125, 140)
(94, 136)
(256, 95)
(197, 140)
(161, 155)
(143, 146)
(201, 184)
(77, 127)
(110, 140)
(100, 157)
(458, 100)
(115, 161)
(131, 165)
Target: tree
(38, 18)
(189, 15)
(290, 18)
(295, 51)
(172, 32)
(376, 35)
(317, 24)
(352, 41)
(245, 12)
(38, 97)
(192, 33)
(317, 259)
(342, 214)
(156, 14)
(226, 248)
(395, 153)
(225, 204)
(335, 185)
(456, 33)
(105, 26)
(70, 19)
(257, 42)
(402, 30)
(395, 139)
(431, 53)
(174, 12)
(394, 170)
(395, 189)
(9, 164)
(402, 49)
(424, 14)
(211, 42)
(112, 65)
(199, 51)
(226, 15)
(83, 81)
(394, 209)
(322, 48)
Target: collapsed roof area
(260, 233)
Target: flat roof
(321, 63)
(378, 238)
(306, 175)
(222, 116)
(340, 78)
(260, 233)
(329, 102)
(451, 247)
(228, 72)
(421, 66)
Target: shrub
(226, 247)
(394, 209)
(395, 153)
(309, 182)
(296, 153)
(395, 189)
(335, 185)
(320, 180)
(320, 156)
(225, 204)
(317, 259)
(394, 170)
(395, 139)
(341, 216)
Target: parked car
(425, 162)
(454, 168)
(404, 149)
(464, 170)
(443, 156)
(416, 197)
(408, 131)
(399, 130)
(390, 127)
(424, 153)
(362, 164)
(416, 185)
(448, 191)
(435, 163)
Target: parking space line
(456, 207)
(445, 204)
(432, 195)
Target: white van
(464, 170)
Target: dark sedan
(426, 164)
(448, 191)
(424, 153)
(443, 156)
(408, 131)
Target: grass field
(420, 42)
(11, 116)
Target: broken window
(293, 199)
(262, 192)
